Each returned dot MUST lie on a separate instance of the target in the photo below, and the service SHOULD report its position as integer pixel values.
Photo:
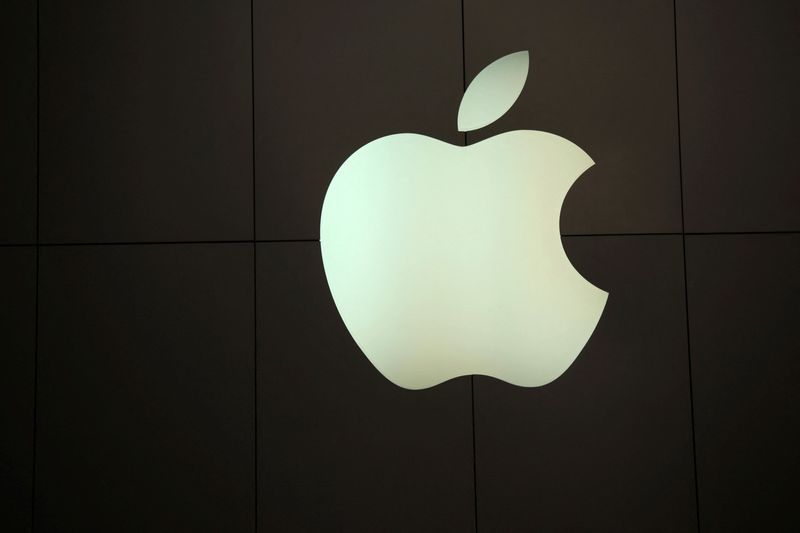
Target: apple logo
(447, 260)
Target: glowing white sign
(446, 260)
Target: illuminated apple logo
(446, 260)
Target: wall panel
(329, 79)
(739, 68)
(146, 129)
(17, 369)
(145, 399)
(18, 125)
(340, 447)
(607, 447)
(745, 330)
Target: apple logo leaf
(493, 91)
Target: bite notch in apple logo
(446, 260)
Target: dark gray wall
(171, 356)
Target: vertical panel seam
(36, 290)
(472, 377)
(685, 270)
(255, 269)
